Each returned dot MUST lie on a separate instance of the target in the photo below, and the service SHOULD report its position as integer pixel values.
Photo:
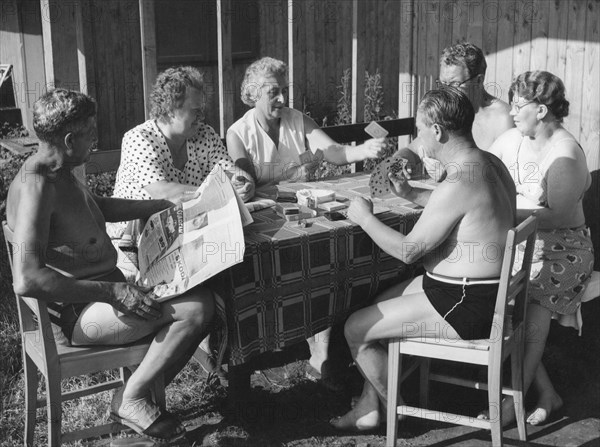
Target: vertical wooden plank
(60, 44)
(313, 77)
(406, 78)
(522, 41)
(489, 46)
(590, 109)
(148, 38)
(504, 54)
(432, 52)
(358, 60)
(420, 51)
(557, 45)
(225, 66)
(539, 34)
(461, 23)
(389, 53)
(475, 23)
(30, 62)
(81, 50)
(575, 65)
(291, 41)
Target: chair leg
(516, 360)
(424, 382)
(495, 403)
(31, 384)
(394, 365)
(54, 405)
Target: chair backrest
(511, 302)
(34, 319)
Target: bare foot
(361, 418)
(547, 403)
(508, 412)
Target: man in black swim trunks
(459, 238)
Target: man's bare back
(475, 245)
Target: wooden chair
(59, 361)
(507, 339)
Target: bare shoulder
(30, 189)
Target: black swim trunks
(65, 316)
(467, 306)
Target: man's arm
(117, 210)
(31, 276)
(439, 218)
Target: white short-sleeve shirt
(146, 159)
(271, 161)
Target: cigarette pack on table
(286, 209)
(332, 206)
(314, 197)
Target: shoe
(145, 418)
(209, 365)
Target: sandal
(145, 418)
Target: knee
(201, 307)
(354, 330)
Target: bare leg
(319, 349)
(537, 328)
(548, 398)
(410, 315)
(183, 324)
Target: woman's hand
(244, 187)
(360, 210)
(374, 148)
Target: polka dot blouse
(146, 159)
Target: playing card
(306, 157)
(375, 130)
(379, 183)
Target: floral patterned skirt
(563, 261)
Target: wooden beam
(60, 44)
(406, 75)
(358, 59)
(225, 67)
(148, 39)
(81, 59)
(291, 52)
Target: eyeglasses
(455, 84)
(517, 108)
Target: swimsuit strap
(463, 280)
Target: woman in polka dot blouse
(168, 156)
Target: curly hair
(168, 92)
(449, 107)
(60, 111)
(467, 54)
(251, 84)
(544, 88)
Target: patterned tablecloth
(296, 281)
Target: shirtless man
(460, 242)
(64, 257)
(463, 66)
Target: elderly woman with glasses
(550, 172)
(168, 156)
(272, 141)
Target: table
(295, 282)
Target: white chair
(506, 340)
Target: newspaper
(185, 245)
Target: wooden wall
(402, 40)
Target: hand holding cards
(379, 183)
(309, 157)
